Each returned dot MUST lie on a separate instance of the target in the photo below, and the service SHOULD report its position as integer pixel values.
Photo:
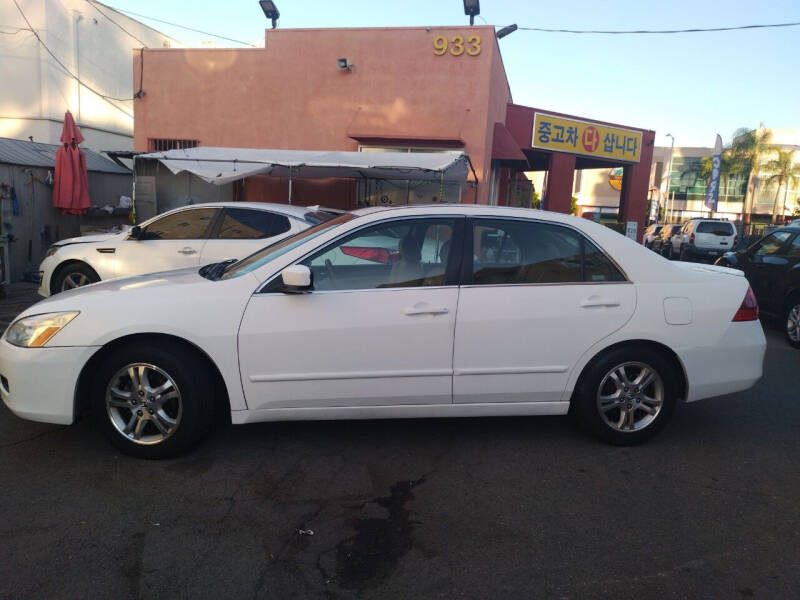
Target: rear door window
(524, 252)
(251, 224)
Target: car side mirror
(136, 233)
(297, 279)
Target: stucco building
(370, 90)
(80, 61)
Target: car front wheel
(73, 276)
(793, 322)
(626, 397)
(152, 401)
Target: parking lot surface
(470, 508)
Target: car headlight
(35, 331)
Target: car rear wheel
(153, 402)
(668, 252)
(626, 396)
(792, 321)
(73, 276)
(684, 253)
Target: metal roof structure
(35, 154)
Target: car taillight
(691, 239)
(735, 240)
(748, 311)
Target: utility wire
(659, 31)
(97, 8)
(222, 37)
(70, 73)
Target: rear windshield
(717, 228)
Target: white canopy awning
(223, 165)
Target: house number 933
(457, 45)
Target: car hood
(117, 290)
(95, 237)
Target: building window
(162, 145)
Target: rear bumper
(39, 383)
(708, 252)
(733, 364)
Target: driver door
(376, 330)
(174, 241)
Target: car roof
(290, 210)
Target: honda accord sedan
(426, 311)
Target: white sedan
(438, 311)
(189, 236)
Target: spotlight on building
(270, 11)
(472, 8)
(344, 64)
(505, 31)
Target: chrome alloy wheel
(793, 323)
(630, 396)
(74, 280)
(144, 403)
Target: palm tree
(783, 171)
(748, 146)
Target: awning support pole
(132, 213)
(290, 184)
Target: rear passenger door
(535, 297)
(242, 231)
(768, 262)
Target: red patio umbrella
(71, 185)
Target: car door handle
(187, 250)
(426, 310)
(595, 301)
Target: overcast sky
(690, 85)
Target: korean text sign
(590, 139)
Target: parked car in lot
(185, 237)
(703, 239)
(651, 233)
(772, 266)
(662, 244)
(484, 311)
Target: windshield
(273, 251)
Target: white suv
(704, 238)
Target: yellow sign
(457, 45)
(589, 139)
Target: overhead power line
(222, 37)
(659, 31)
(97, 8)
(105, 97)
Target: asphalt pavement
(469, 508)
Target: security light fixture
(472, 8)
(505, 31)
(344, 64)
(270, 11)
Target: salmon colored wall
(291, 95)
(333, 193)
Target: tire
(73, 276)
(668, 252)
(684, 255)
(791, 321)
(625, 419)
(157, 427)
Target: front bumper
(39, 383)
(733, 364)
(46, 274)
